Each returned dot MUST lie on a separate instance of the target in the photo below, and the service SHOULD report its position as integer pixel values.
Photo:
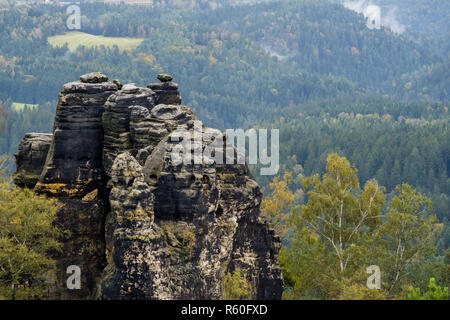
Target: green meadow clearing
(75, 39)
(16, 106)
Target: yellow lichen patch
(91, 196)
(141, 237)
(137, 214)
(227, 226)
(134, 215)
(74, 190)
(144, 236)
(179, 235)
(60, 189)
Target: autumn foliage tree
(27, 241)
(235, 286)
(279, 202)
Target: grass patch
(18, 107)
(75, 39)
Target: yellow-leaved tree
(27, 241)
(235, 286)
(276, 206)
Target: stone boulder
(166, 91)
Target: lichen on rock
(142, 225)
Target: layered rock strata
(73, 173)
(116, 120)
(166, 90)
(74, 166)
(143, 224)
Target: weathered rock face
(148, 128)
(116, 120)
(208, 215)
(138, 260)
(143, 224)
(30, 158)
(166, 91)
(73, 172)
(84, 246)
(74, 163)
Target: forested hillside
(323, 51)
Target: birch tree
(340, 212)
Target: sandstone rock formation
(167, 91)
(74, 163)
(116, 120)
(142, 224)
(73, 172)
